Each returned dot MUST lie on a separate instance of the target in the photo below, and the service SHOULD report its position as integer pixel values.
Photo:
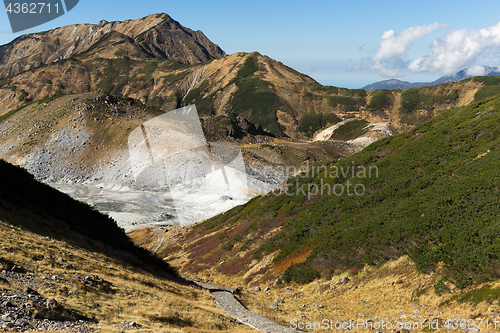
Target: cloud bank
(456, 50)
(391, 54)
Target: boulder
(8, 317)
(277, 282)
(317, 305)
(51, 304)
(30, 291)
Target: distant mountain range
(462, 75)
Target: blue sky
(342, 43)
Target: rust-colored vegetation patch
(293, 259)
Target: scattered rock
(277, 282)
(267, 289)
(127, 325)
(7, 304)
(51, 304)
(278, 300)
(31, 291)
(257, 288)
(317, 305)
(8, 317)
(21, 322)
(288, 288)
(345, 280)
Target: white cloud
(476, 71)
(390, 56)
(458, 49)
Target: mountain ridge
(459, 76)
(157, 35)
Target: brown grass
(155, 303)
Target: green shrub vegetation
(23, 96)
(300, 273)
(121, 53)
(423, 98)
(254, 96)
(378, 101)
(487, 92)
(341, 100)
(5, 82)
(350, 130)
(250, 66)
(476, 296)
(432, 194)
(311, 122)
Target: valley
(189, 163)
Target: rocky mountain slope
(80, 145)
(154, 36)
(145, 59)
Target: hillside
(140, 59)
(64, 250)
(430, 194)
(79, 144)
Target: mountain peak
(156, 36)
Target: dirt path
(224, 298)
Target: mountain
(462, 75)
(154, 36)
(389, 227)
(67, 122)
(270, 95)
(429, 194)
(165, 65)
